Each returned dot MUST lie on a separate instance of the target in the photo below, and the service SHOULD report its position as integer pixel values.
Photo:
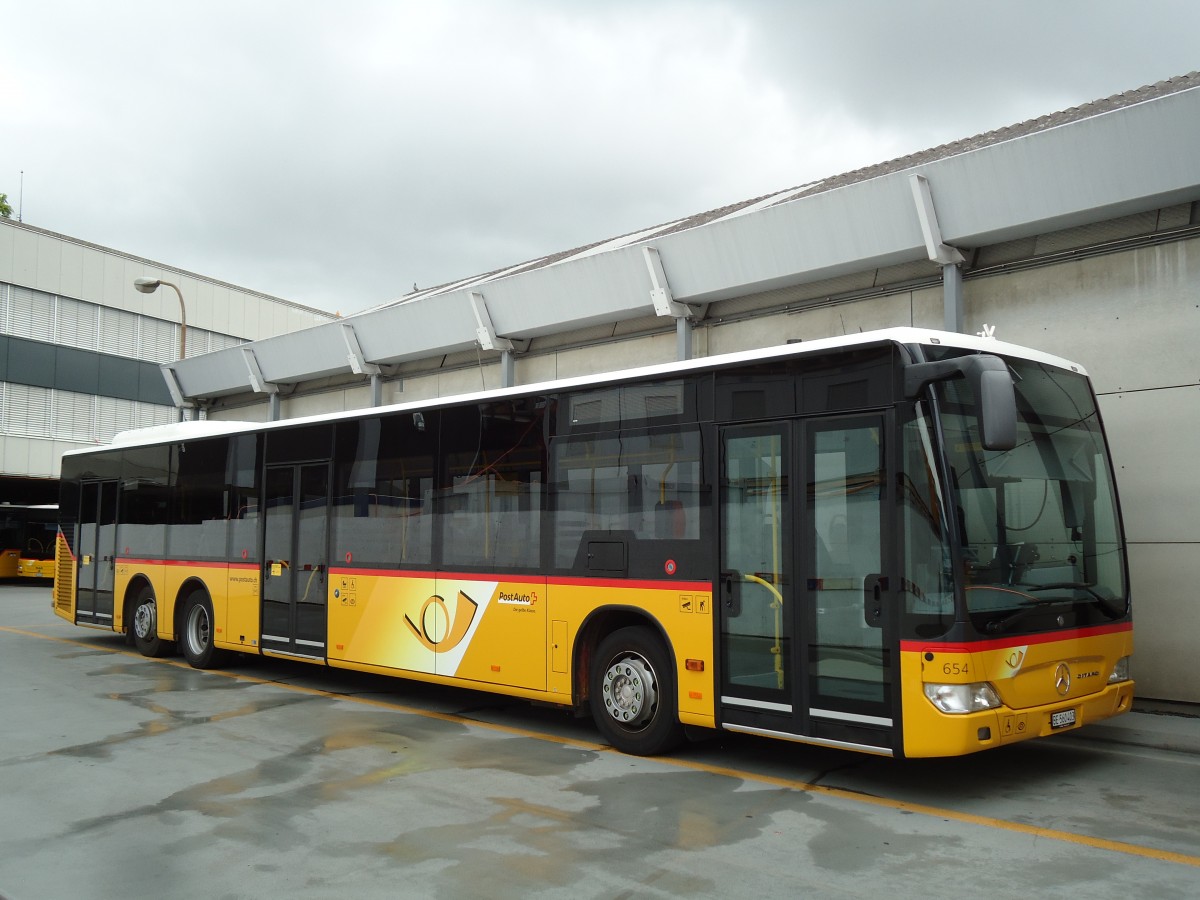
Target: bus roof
(192, 430)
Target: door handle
(729, 595)
(874, 587)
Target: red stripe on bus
(1019, 640)
(562, 581)
(205, 564)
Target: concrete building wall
(59, 292)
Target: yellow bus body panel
(35, 568)
(685, 615)
(232, 589)
(237, 617)
(10, 563)
(515, 634)
(1025, 672)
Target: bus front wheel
(633, 693)
(143, 626)
(197, 638)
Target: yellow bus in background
(27, 541)
(903, 542)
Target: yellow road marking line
(775, 781)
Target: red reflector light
(694, 665)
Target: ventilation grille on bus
(64, 570)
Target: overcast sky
(336, 153)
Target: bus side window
(491, 496)
(646, 486)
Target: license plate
(1063, 719)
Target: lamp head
(147, 285)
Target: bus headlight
(1120, 670)
(962, 698)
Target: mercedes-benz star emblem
(1062, 679)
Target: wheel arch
(189, 589)
(132, 588)
(598, 625)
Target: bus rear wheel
(196, 641)
(632, 693)
(143, 625)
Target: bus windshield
(1038, 524)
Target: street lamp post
(149, 286)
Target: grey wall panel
(8, 238)
(1131, 318)
(71, 270)
(1109, 165)
(214, 374)
(49, 265)
(312, 353)
(862, 226)
(1155, 439)
(422, 328)
(30, 362)
(581, 292)
(92, 287)
(118, 378)
(25, 247)
(1165, 621)
(77, 370)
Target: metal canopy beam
(949, 258)
(354, 354)
(666, 305)
(939, 251)
(485, 331)
(173, 387)
(258, 384)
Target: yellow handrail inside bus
(777, 606)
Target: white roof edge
(901, 335)
(175, 431)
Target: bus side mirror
(997, 401)
(991, 382)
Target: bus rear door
(96, 558)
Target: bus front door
(803, 599)
(96, 556)
(295, 577)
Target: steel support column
(940, 252)
(508, 369)
(666, 305)
(952, 299)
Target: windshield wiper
(1107, 604)
(1006, 622)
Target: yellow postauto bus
(27, 541)
(903, 542)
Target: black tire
(632, 693)
(143, 626)
(196, 634)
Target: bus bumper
(930, 732)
